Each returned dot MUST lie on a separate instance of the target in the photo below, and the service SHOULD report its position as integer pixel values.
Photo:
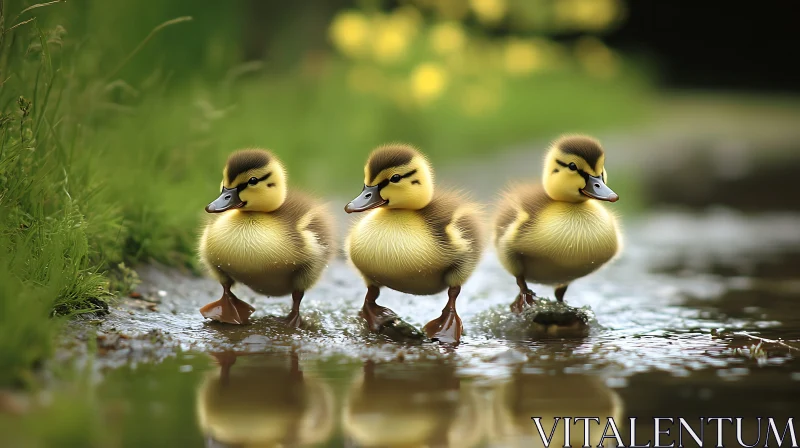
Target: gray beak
(228, 199)
(597, 189)
(369, 198)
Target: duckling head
(574, 171)
(253, 180)
(395, 176)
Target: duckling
(264, 399)
(412, 240)
(275, 241)
(552, 398)
(559, 231)
(398, 405)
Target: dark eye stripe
(244, 184)
(583, 173)
(409, 174)
(386, 182)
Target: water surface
(677, 321)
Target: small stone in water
(401, 331)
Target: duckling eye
(396, 178)
(253, 181)
(572, 166)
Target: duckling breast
(566, 241)
(249, 410)
(255, 249)
(395, 248)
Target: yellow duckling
(264, 400)
(412, 240)
(397, 405)
(559, 231)
(548, 398)
(274, 241)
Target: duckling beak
(369, 198)
(229, 199)
(597, 189)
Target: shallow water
(676, 320)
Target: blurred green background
(118, 116)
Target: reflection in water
(394, 405)
(263, 400)
(660, 308)
(549, 396)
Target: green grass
(113, 413)
(95, 170)
(54, 242)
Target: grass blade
(141, 45)
(38, 5)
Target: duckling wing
(518, 210)
(455, 223)
(309, 224)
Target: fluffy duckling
(264, 400)
(397, 405)
(274, 241)
(549, 397)
(559, 231)
(412, 240)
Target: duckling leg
(229, 308)
(375, 315)
(225, 360)
(384, 321)
(560, 291)
(293, 318)
(525, 297)
(447, 328)
(295, 371)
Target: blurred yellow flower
(593, 15)
(489, 11)
(596, 58)
(428, 82)
(350, 32)
(389, 45)
(523, 57)
(393, 34)
(447, 38)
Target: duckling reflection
(550, 396)
(264, 400)
(398, 405)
